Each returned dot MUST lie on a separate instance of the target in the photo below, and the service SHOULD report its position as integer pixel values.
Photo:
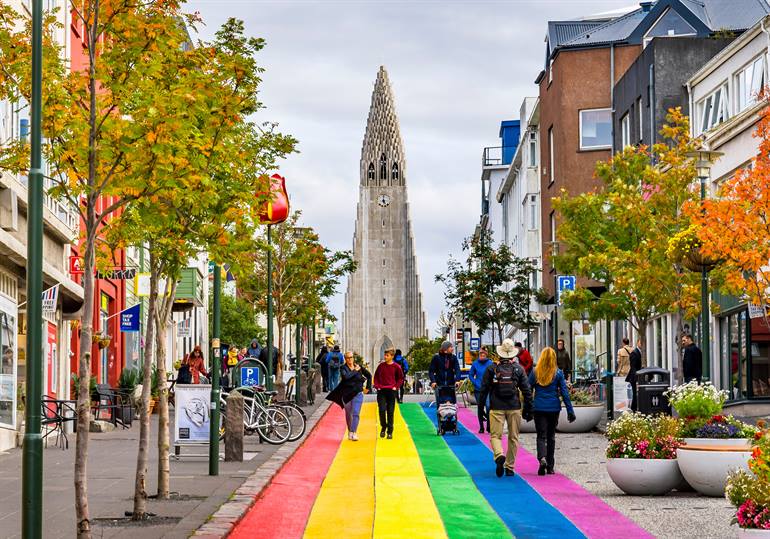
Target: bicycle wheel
(297, 418)
(273, 426)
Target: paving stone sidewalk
(111, 470)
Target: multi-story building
(60, 228)
(518, 196)
(723, 98)
(585, 59)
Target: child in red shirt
(387, 379)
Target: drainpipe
(612, 96)
(651, 97)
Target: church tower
(383, 303)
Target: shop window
(8, 369)
(104, 319)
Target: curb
(223, 521)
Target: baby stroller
(446, 400)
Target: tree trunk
(84, 388)
(163, 415)
(140, 487)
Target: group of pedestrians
(331, 363)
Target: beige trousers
(513, 419)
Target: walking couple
(505, 384)
(355, 381)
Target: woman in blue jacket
(548, 383)
(476, 374)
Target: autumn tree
(305, 275)
(421, 352)
(491, 288)
(734, 227)
(239, 321)
(618, 234)
(215, 161)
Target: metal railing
(497, 155)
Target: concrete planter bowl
(587, 418)
(743, 443)
(753, 533)
(644, 477)
(705, 467)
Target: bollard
(234, 428)
(310, 384)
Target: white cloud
(457, 68)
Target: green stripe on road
(465, 512)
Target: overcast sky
(457, 68)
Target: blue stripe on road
(523, 510)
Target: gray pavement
(674, 516)
(111, 470)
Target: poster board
(621, 393)
(192, 420)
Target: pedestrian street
(420, 485)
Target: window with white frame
(533, 148)
(625, 130)
(551, 154)
(749, 82)
(640, 115)
(533, 217)
(595, 129)
(553, 238)
(504, 204)
(713, 109)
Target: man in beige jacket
(624, 354)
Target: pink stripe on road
(589, 513)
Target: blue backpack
(335, 361)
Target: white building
(723, 97)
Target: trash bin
(651, 384)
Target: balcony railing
(495, 156)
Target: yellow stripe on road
(404, 504)
(345, 504)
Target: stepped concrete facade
(383, 303)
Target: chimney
(646, 6)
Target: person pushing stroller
(444, 373)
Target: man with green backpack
(505, 383)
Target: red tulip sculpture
(276, 208)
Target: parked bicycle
(269, 421)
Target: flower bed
(749, 491)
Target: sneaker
(499, 463)
(481, 429)
(382, 433)
(488, 431)
(390, 436)
(350, 435)
(543, 466)
(353, 437)
(509, 473)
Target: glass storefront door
(744, 356)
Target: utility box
(651, 384)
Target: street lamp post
(32, 455)
(297, 364)
(704, 159)
(216, 367)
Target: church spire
(382, 154)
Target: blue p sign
(249, 376)
(564, 282)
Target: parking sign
(249, 376)
(564, 282)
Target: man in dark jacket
(275, 357)
(444, 372)
(254, 348)
(321, 360)
(635, 361)
(502, 383)
(692, 362)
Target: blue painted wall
(510, 131)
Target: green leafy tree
(618, 234)
(305, 276)
(421, 353)
(492, 288)
(239, 322)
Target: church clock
(383, 200)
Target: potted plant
(749, 491)
(587, 411)
(129, 379)
(641, 453)
(715, 444)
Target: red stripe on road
(283, 508)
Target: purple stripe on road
(589, 513)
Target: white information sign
(192, 420)
(621, 392)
